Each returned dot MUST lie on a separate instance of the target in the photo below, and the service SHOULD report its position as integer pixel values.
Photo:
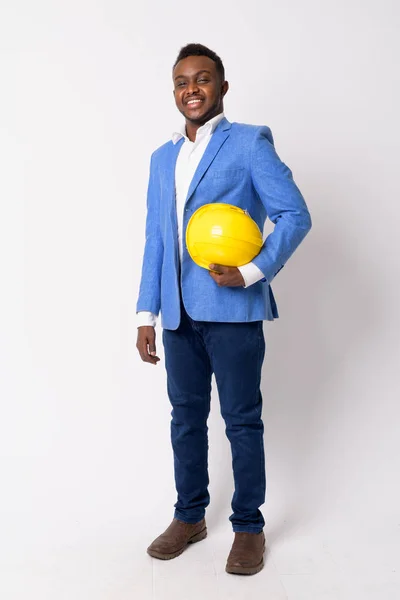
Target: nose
(192, 88)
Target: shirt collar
(208, 128)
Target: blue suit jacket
(239, 166)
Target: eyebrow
(198, 73)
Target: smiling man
(212, 320)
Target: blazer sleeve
(149, 298)
(283, 202)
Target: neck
(192, 127)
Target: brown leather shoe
(246, 555)
(176, 537)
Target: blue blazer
(239, 166)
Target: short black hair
(200, 50)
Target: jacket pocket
(226, 181)
(228, 174)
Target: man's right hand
(146, 344)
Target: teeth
(194, 101)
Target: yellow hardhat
(224, 234)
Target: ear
(225, 87)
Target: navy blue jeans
(234, 352)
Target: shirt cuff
(145, 317)
(251, 274)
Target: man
(212, 320)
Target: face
(198, 89)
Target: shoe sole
(245, 570)
(196, 538)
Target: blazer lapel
(169, 179)
(217, 139)
(168, 175)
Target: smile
(194, 102)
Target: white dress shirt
(187, 162)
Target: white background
(86, 465)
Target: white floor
(110, 563)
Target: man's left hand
(226, 276)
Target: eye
(203, 80)
(180, 84)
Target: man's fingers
(146, 344)
(151, 348)
(217, 268)
(226, 276)
(218, 278)
(151, 340)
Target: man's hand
(226, 276)
(146, 344)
